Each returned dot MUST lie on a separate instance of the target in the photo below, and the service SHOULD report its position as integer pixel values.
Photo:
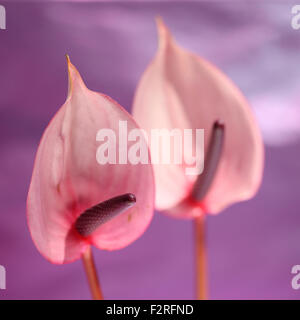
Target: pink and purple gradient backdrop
(252, 246)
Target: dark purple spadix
(211, 162)
(101, 213)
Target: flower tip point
(160, 24)
(70, 75)
(131, 197)
(69, 63)
(162, 30)
(219, 124)
(159, 21)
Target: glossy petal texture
(67, 179)
(181, 90)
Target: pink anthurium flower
(182, 90)
(73, 201)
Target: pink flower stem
(201, 276)
(91, 273)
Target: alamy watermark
(295, 22)
(176, 146)
(296, 279)
(2, 278)
(2, 17)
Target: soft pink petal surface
(67, 179)
(181, 90)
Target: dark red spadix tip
(211, 162)
(101, 213)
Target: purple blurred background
(252, 246)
